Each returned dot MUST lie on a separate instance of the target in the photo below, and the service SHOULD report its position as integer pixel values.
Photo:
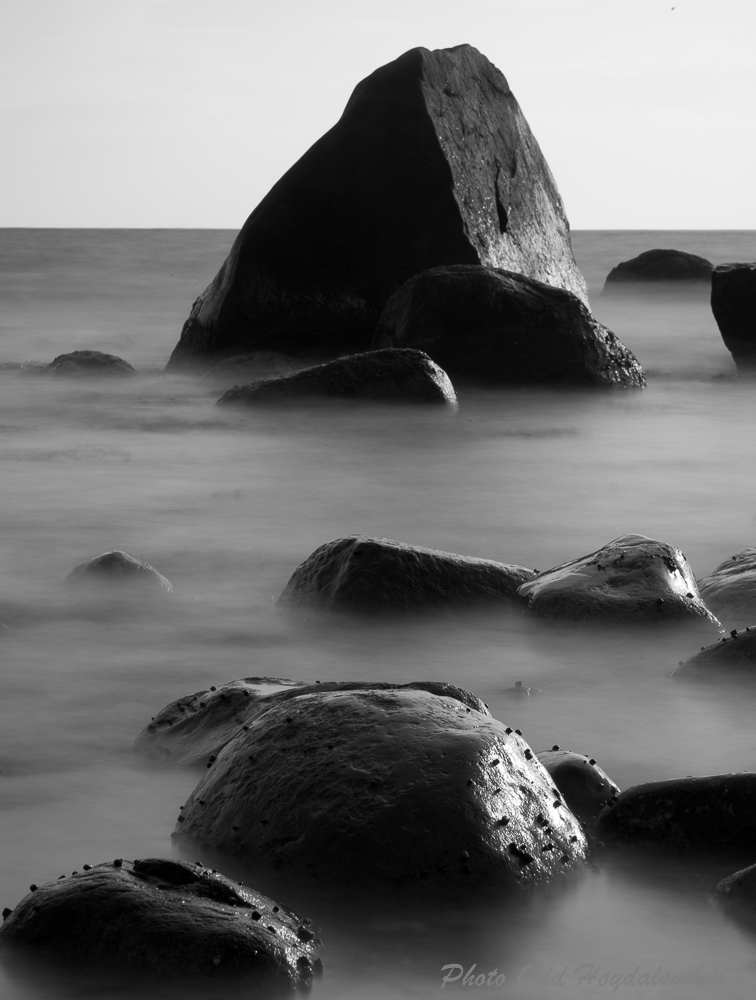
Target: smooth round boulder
(631, 579)
(89, 363)
(379, 576)
(118, 568)
(250, 367)
(733, 302)
(400, 376)
(586, 787)
(659, 267)
(713, 813)
(375, 786)
(499, 327)
(163, 920)
(732, 656)
(730, 590)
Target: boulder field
(733, 302)
(431, 163)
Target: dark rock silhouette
(165, 920)
(632, 578)
(432, 162)
(659, 267)
(733, 655)
(89, 363)
(368, 786)
(733, 302)
(495, 326)
(250, 367)
(586, 787)
(730, 590)
(401, 376)
(118, 568)
(379, 575)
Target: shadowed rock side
(193, 730)
(379, 575)
(118, 568)
(739, 888)
(715, 813)
(633, 578)
(89, 363)
(733, 302)
(496, 326)
(250, 367)
(399, 376)
(384, 786)
(659, 267)
(432, 162)
(730, 591)
(732, 655)
(586, 787)
(163, 920)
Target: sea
(227, 504)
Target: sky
(183, 113)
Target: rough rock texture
(714, 813)
(633, 578)
(431, 163)
(730, 591)
(496, 326)
(378, 575)
(375, 785)
(660, 266)
(118, 568)
(732, 655)
(163, 919)
(89, 363)
(586, 787)
(250, 367)
(733, 302)
(398, 376)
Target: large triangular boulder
(431, 163)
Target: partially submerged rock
(499, 327)
(733, 302)
(400, 376)
(659, 267)
(379, 575)
(118, 567)
(432, 162)
(586, 787)
(165, 920)
(730, 590)
(251, 367)
(632, 578)
(739, 888)
(373, 785)
(733, 655)
(715, 813)
(89, 363)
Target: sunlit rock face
(731, 656)
(497, 327)
(730, 590)
(633, 578)
(363, 786)
(432, 162)
(165, 920)
(116, 568)
(399, 376)
(586, 787)
(382, 576)
(714, 813)
(733, 302)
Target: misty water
(226, 505)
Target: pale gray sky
(153, 113)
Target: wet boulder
(384, 786)
(118, 568)
(250, 367)
(731, 656)
(585, 786)
(730, 590)
(714, 813)
(660, 267)
(733, 302)
(400, 376)
(378, 575)
(432, 162)
(89, 363)
(163, 920)
(494, 326)
(632, 578)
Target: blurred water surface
(226, 506)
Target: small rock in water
(659, 267)
(518, 691)
(733, 302)
(731, 656)
(730, 590)
(89, 363)
(118, 567)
